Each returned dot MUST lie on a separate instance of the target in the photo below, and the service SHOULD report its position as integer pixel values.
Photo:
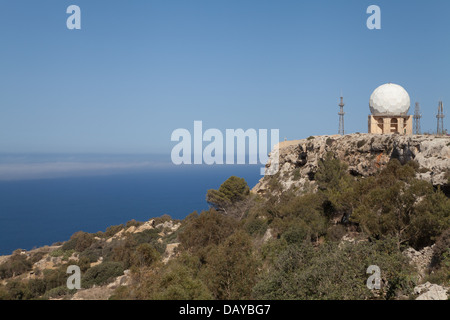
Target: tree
(330, 172)
(232, 191)
(337, 185)
(145, 255)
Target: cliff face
(365, 154)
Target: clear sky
(137, 70)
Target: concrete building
(389, 105)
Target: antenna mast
(417, 117)
(341, 117)
(440, 119)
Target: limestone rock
(267, 236)
(123, 280)
(170, 251)
(420, 259)
(365, 154)
(95, 293)
(429, 291)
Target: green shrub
(101, 274)
(231, 268)
(16, 265)
(57, 253)
(162, 219)
(58, 292)
(256, 226)
(361, 143)
(133, 223)
(112, 230)
(297, 174)
(145, 255)
(79, 242)
(178, 280)
(209, 228)
(337, 272)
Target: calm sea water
(40, 212)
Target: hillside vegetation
(283, 244)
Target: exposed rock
(146, 226)
(267, 236)
(47, 262)
(170, 251)
(131, 229)
(420, 259)
(122, 280)
(429, 291)
(166, 228)
(3, 259)
(365, 154)
(96, 263)
(95, 293)
(168, 225)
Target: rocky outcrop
(122, 280)
(429, 291)
(170, 251)
(365, 154)
(420, 259)
(167, 228)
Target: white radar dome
(389, 99)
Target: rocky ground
(103, 292)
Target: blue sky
(140, 69)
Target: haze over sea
(46, 198)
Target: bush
(441, 248)
(330, 172)
(133, 223)
(231, 268)
(178, 280)
(112, 230)
(57, 253)
(54, 278)
(36, 287)
(210, 228)
(393, 209)
(145, 255)
(256, 226)
(17, 290)
(16, 265)
(333, 272)
(58, 292)
(101, 274)
(79, 242)
(162, 219)
(301, 217)
(335, 233)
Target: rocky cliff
(365, 154)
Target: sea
(46, 198)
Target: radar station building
(389, 105)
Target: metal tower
(417, 116)
(440, 119)
(341, 117)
